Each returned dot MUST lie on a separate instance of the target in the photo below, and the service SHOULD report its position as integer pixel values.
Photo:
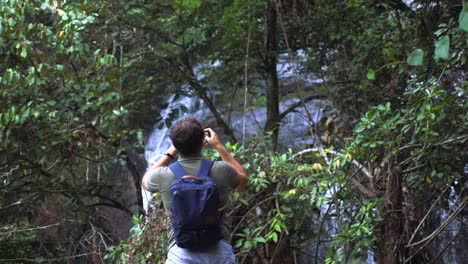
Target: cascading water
(159, 142)
(294, 130)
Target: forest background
(82, 84)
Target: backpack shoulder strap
(204, 169)
(177, 169)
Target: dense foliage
(65, 126)
(82, 82)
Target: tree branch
(30, 229)
(190, 77)
(440, 228)
(335, 153)
(48, 259)
(366, 172)
(299, 103)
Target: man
(187, 137)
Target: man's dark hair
(187, 136)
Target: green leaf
(371, 75)
(247, 244)
(277, 227)
(24, 52)
(260, 240)
(442, 47)
(274, 236)
(26, 113)
(192, 4)
(463, 18)
(11, 22)
(416, 57)
(239, 243)
(136, 219)
(136, 11)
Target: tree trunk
(201, 91)
(392, 222)
(137, 167)
(272, 89)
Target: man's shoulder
(221, 165)
(162, 174)
(225, 173)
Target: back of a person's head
(187, 136)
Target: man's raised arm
(163, 161)
(214, 141)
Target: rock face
(124, 195)
(102, 218)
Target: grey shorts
(219, 253)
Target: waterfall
(158, 141)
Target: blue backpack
(196, 220)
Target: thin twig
(317, 244)
(10, 205)
(247, 213)
(30, 229)
(442, 226)
(233, 210)
(278, 245)
(427, 214)
(246, 70)
(437, 231)
(415, 168)
(49, 259)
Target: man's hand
(211, 138)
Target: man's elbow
(144, 184)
